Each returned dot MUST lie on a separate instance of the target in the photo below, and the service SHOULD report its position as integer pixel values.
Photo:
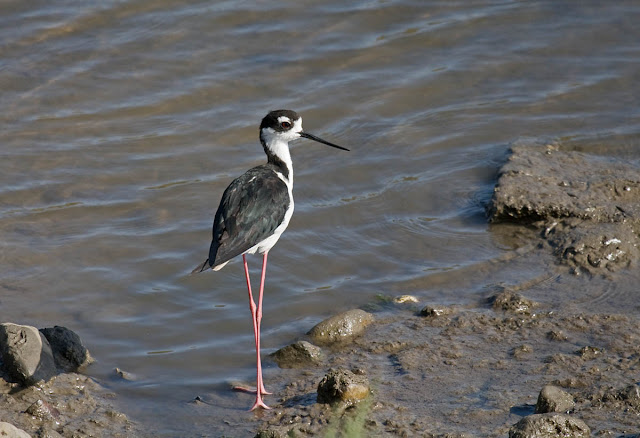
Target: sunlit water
(122, 122)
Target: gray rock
(551, 425)
(554, 399)
(301, 354)
(343, 386)
(26, 354)
(10, 431)
(342, 327)
(68, 351)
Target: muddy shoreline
(454, 370)
(473, 372)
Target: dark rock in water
(511, 302)
(124, 375)
(26, 354)
(10, 431)
(343, 386)
(301, 354)
(550, 425)
(554, 399)
(342, 327)
(197, 400)
(68, 351)
(587, 206)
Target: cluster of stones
(340, 386)
(29, 356)
(551, 418)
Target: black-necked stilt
(255, 210)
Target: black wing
(251, 208)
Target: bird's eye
(285, 125)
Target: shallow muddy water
(123, 122)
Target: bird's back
(251, 209)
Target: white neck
(280, 149)
(276, 145)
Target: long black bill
(319, 140)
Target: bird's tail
(201, 267)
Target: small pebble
(401, 299)
(43, 410)
(435, 311)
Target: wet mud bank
(587, 207)
(42, 393)
(484, 371)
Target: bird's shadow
(523, 410)
(308, 399)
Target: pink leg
(259, 320)
(256, 315)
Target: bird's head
(283, 126)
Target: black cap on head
(271, 119)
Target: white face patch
(297, 127)
(271, 136)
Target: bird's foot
(251, 390)
(259, 404)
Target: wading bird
(254, 212)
